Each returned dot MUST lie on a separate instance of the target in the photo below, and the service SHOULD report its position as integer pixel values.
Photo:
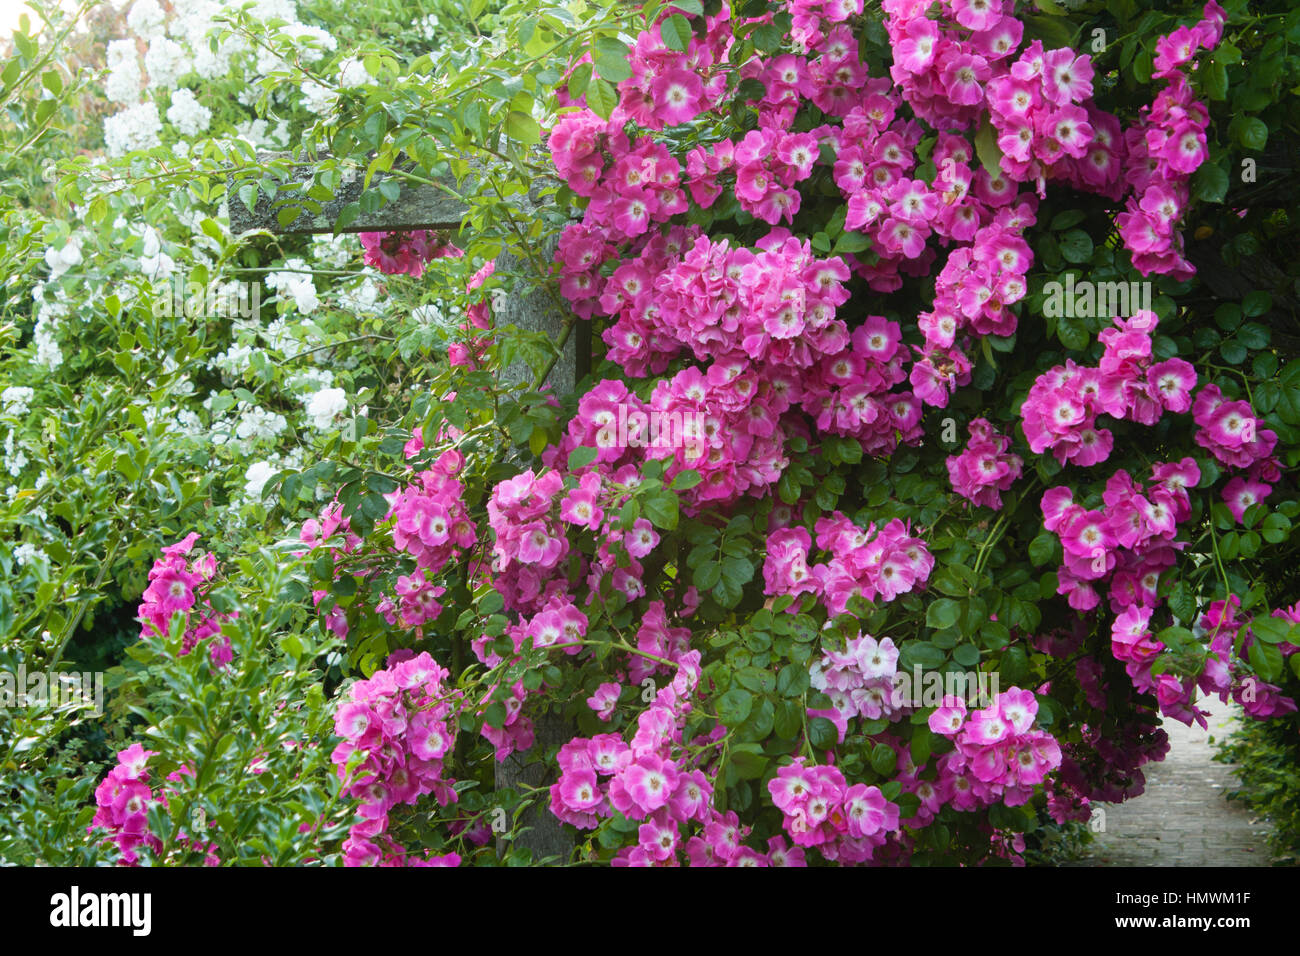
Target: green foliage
(1268, 759)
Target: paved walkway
(1183, 818)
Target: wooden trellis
(533, 309)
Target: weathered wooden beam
(418, 206)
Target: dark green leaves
(734, 706)
(942, 613)
(1076, 246)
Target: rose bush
(837, 434)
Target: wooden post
(534, 310)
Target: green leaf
(581, 457)
(685, 480)
(676, 32)
(749, 765)
(1182, 602)
(1042, 549)
(1210, 184)
(248, 196)
(1271, 630)
(734, 706)
(662, 509)
(1256, 302)
(579, 79)
(923, 653)
(1065, 220)
(522, 128)
(601, 97)
(792, 681)
(1252, 132)
(610, 56)
(707, 575)
(1076, 246)
(1266, 659)
(822, 733)
(884, 759)
(1215, 81)
(987, 149)
(1276, 527)
(851, 242)
(942, 613)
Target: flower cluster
(1060, 413)
(1000, 747)
(1223, 626)
(976, 286)
(876, 564)
(397, 727)
(530, 541)
(432, 525)
(318, 533)
(1164, 149)
(174, 586)
(985, 468)
(845, 823)
(1129, 543)
(651, 779)
(395, 253)
(669, 87)
(1231, 432)
(858, 680)
(123, 799)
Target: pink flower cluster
(851, 393)
(876, 564)
(985, 468)
(1222, 674)
(1230, 430)
(1060, 413)
(944, 65)
(122, 800)
(858, 680)
(670, 87)
(530, 542)
(652, 780)
(395, 253)
(1130, 543)
(432, 525)
(1164, 149)
(845, 823)
(317, 533)
(771, 307)
(1000, 747)
(402, 724)
(174, 585)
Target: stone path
(1183, 818)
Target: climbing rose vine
(808, 238)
